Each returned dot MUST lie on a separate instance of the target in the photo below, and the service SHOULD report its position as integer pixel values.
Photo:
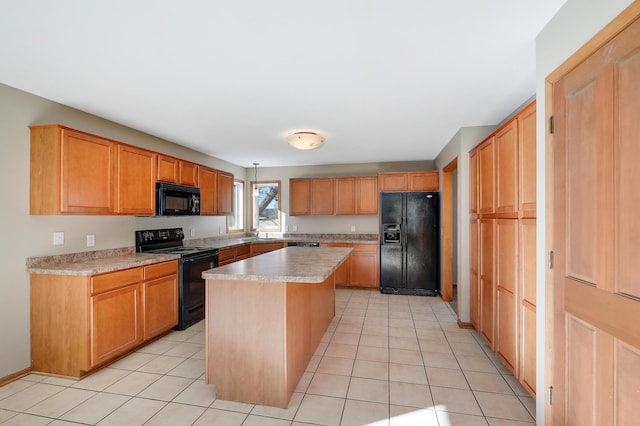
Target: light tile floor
(386, 360)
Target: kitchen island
(265, 317)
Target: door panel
(627, 178)
(581, 372)
(596, 292)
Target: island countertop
(290, 264)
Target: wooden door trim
(446, 288)
(612, 29)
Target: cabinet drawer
(264, 247)
(158, 270)
(226, 254)
(113, 280)
(242, 250)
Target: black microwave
(177, 200)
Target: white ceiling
(382, 80)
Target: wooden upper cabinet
(473, 182)
(409, 181)
(322, 196)
(300, 197)
(366, 195)
(225, 193)
(71, 172)
(424, 181)
(506, 162)
(486, 177)
(136, 181)
(188, 173)
(168, 169)
(527, 150)
(208, 181)
(352, 195)
(345, 195)
(389, 182)
(174, 170)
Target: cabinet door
(473, 182)
(225, 193)
(388, 182)
(486, 202)
(160, 305)
(116, 323)
(207, 179)
(88, 174)
(364, 266)
(527, 297)
(168, 169)
(506, 278)
(366, 195)
(299, 197)
(345, 195)
(322, 196)
(424, 181)
(342, 273)
(474, 260)
(506, 151)
(527, 149)
(188, 173)
(136, 181)
(487, 288)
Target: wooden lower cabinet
(116, 323)
(506, 278)
(79, 323)
(342, 274)
(527, 304)
(474, 285)
(260, 248)
(487, 287)
(363, 266)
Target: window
(265, 206)
(235, 222)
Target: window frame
(237, 199)
(278, 197)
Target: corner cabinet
(502, 198)
(79, 323)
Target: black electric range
(193, 261)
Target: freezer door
(422, 240)
(391, 249)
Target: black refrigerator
(410, 243)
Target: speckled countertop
(290, 264)
(109, 260)
(95, 262)
(229, 241)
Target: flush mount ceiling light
(305, 140)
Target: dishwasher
(303, 244)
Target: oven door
(192, 295)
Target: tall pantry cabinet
(502, 190)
